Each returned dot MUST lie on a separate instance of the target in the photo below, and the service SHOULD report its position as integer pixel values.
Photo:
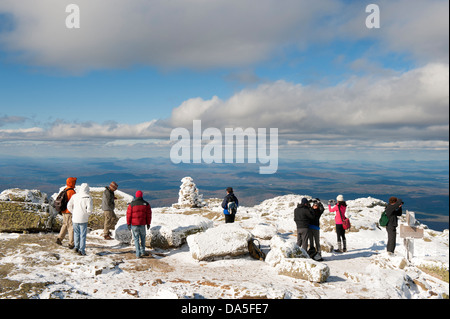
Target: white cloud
(176, 33)
(413, 105)
(204, 34)
(403, 111)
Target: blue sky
(135, 70)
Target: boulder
(166, 231)
(27, 217)
(23, 210)
(264, 231)
(291, 260)
(281, 248)
(24, 195)
(302, 268)
(226, 240)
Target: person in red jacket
(139, 214)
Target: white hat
(340, 198)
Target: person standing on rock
(108, 206)
(139, 214)
(230, 204)
(393, 210)
(340, 209)
(81, 207)
(67, 226)
(303, 216)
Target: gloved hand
(148, 227)
(129, 227)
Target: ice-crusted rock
(264, 231)
(24, 210)
(291, 260)
(281, 248)
(226, 240)
(301, 268)
(167, 230)
(24, 195)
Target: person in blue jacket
(230, 204)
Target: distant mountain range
(424, 186)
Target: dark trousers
(340, 232)
(229, 218)
(392, 238)
(314, 239)
(302, 237)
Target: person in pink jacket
(340, 209)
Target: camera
(331, 202)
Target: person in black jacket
(303, 217)
(230, 211)
(314, 228)
(393, 210)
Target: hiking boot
(71, 246)
(107, 237)
(318, 257)
(58, 241)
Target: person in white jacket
(81, 207)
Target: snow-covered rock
(166, 231)
(264, 231)
(24, 195)
(188, 196)
(281, 248)
(291, 260)
(24, 210)
(171, 230)
(221, 241)
(301, 268)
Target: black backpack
(60, 203)
(255, 251)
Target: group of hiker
(307, 218)
(76, 207)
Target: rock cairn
(188, 196)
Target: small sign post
(409, 232)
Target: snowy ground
(33, 266)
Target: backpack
(232, 207)
(255, 251)
(384, 220)
(60, 203)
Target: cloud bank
(389, 111)
(210, 34)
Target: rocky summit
(194, 254)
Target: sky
(135, 70)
